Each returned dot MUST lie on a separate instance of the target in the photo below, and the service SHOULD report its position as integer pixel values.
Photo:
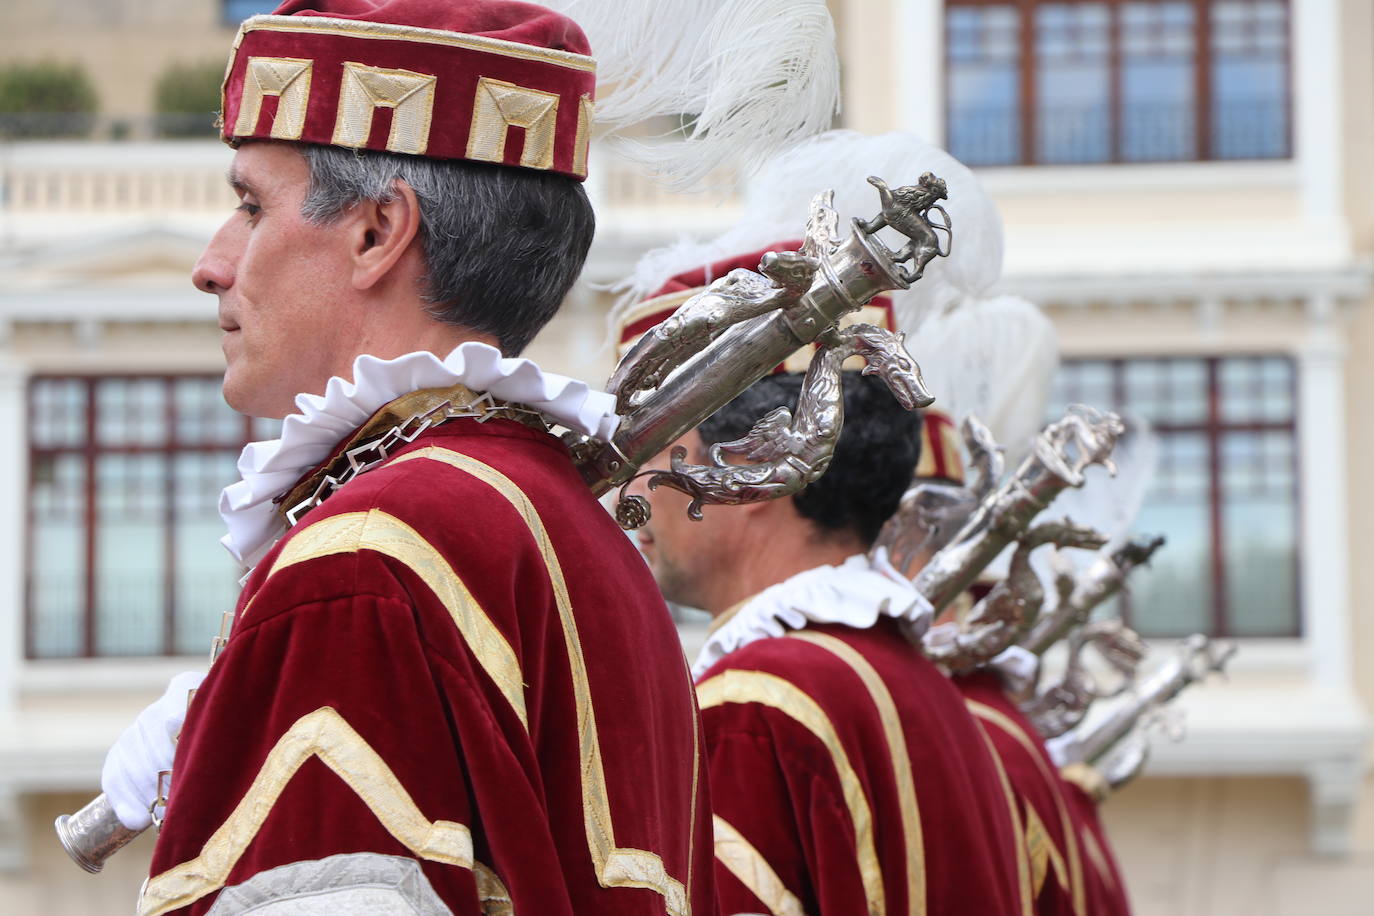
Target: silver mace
(839, 277)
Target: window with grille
(1092, 81)
(125, 472)
(1225, 494)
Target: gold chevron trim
(615, 866)
(901, 762)
(1023, 866)
(391, 537)
(736, 686)
(323, 734)
(747, 864)
(1077, 888)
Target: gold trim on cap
(351, 28)
(364, 89)
(287, 78)
(497, 107)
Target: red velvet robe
(847, 778)
(457, 658)
(1106, 889)
(1071, 860)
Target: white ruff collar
(855, 593)
(270, 468)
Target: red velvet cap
(940, 452)
(941, 458)
(487, 80)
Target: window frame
(1213, 428)
(90, 449)
(1027, 97)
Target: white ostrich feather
(994, 358)
(778, 200)
(843, 160)
(744, 77)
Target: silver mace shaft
(1057, 461)
(1198, 657)
(847, 274)
(1104, 578)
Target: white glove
(129, 777)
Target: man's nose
(214, 270)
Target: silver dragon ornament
(745, 323)
(1059, 456)
(1198, 657)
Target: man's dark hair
(502, 245)
(874, 460)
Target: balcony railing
(1083, 134)
(116, 181)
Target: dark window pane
(1257, 390)
(202, 416)
(1261, 561)
(982, 45)
(1248, 511)
(1157, 82)
(266, 428)
(56, 598)
(130, 554)
(1117, 81)
(1173, 596)
(59, 412)
(155, 517)
(1249, 79)
(131, 412)
(1082, 382)
(1073, 83)
(206, 576)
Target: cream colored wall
(121, 348)
(1229, 847)
(54, 885)
(1358, 181)
(124, 45)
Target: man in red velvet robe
(1086, 789)
(846, 775)
(1072, 868)
(450, 683)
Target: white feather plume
(843, 160)
(995, 358)
(745, 77)
(777, 202)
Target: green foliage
(186, 98)
(46, 99)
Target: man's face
(283, 285)
(688, 558)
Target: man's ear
(381, 233)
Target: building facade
(1184, 189)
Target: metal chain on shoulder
(374, 452)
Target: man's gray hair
(502, 245)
